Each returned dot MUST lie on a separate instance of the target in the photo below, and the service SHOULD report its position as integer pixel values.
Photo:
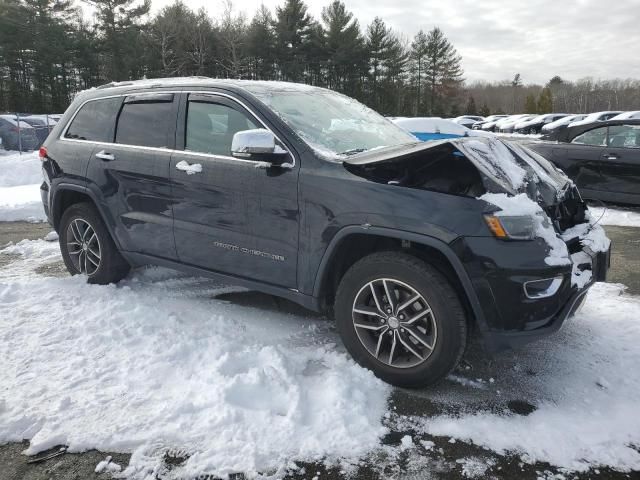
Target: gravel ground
(625, 269)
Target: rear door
(581, 158)
(620, 160)
(132, 174)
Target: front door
(226, 216)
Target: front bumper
(498, 270)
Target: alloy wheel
(83, 246)
(394, 323)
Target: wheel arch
(353, 243)
(68, 194)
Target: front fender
(416, 238)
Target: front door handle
(107, 157)
(190, 169)
(611, 156)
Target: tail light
(42, 153)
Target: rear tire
(426, 350)
(87, 247)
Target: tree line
(49, 51)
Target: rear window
(146, 123)
(95, 120)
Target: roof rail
(114, 84)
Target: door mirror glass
(258, 144)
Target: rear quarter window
(95, 120)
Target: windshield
(331, 123)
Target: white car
(627, 116)
(563, 122)
(535, 124)
(468, 120)
(596, 117)
(508, 124)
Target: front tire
(399, 317)
(87, 247)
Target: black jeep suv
(304, 193)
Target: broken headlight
(515, 227)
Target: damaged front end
(542, 248)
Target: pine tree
(471, 108)
(345, 47)
(387, 61)
(120, 22)
(419, 59)
(443, 70)
(516, 83)
(545, 102)
(292, 28)
(485, 111)
(530, 105)
(261, 44)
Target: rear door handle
(107, 157)
(611, 156)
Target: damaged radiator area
(440, 169)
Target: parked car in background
(534, 125)
(431, 128)
(627, 116)
(16, 135)
(468, 120)
(562, 123)
(489, 123)
(41, 124)
(603, 159)
(595, 117)
(508, 124)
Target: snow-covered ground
(20, 179)
(157, 364)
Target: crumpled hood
(505, 167)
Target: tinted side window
(624, 136)
(95, 120)
(148, 124)
(597, 137)
(211, 126)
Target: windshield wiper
(353, 151)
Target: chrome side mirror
(260, 145)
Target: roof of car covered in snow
(196, 82)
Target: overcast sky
(499, 38)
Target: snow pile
(615, 217)
(157, 364)
(16, 169)
(20, 179)
(107, 465)
(586, 387)
(521, 205)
